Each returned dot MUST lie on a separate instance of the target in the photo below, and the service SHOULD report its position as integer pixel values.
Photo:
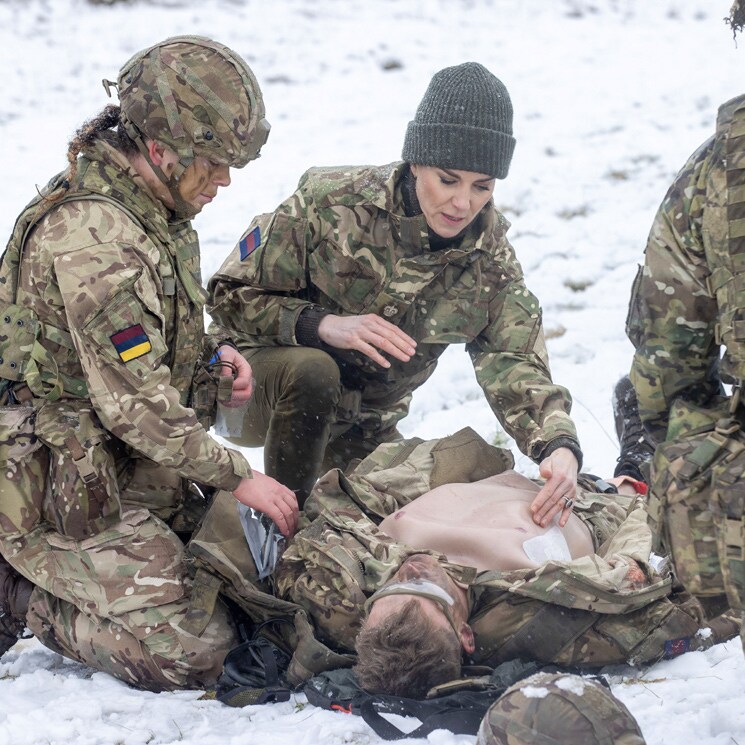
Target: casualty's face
(450, 199)
(426, 570)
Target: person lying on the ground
(462, 569)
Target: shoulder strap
(458, 705)
(459, 721)
(36, 367)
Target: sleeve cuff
(241, 470)
(561, 442)
(226, 343)
(306, 328)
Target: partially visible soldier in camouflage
(345, 297)
(686, 323)
(557, 709)
(108, 382)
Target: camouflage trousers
(697, 501)
(303, 417)
(112, 588)
(120, 602)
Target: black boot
(15, 591)
(636, 446)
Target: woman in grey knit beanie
(345, 297)
(464, 124)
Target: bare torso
(487, 525)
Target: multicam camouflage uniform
(104, 361)
(343, 244)
(114, 586)
(583, 612)
(686, 309)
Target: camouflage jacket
(114, 289)
(687, 299)
(342, 242)
(340, 557)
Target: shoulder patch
(131, 343)
(249, 243)
(675, 647)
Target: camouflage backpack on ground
(222, 564)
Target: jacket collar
(110, 174)
(386, 193)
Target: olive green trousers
(296, 413)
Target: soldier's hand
(267, 495)
(560, 490)
(243, 379)
(369, 334)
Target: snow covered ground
(610, 98)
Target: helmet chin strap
(181, 209)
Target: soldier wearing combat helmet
(554, 709)
(109, 383)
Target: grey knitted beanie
(464, 122)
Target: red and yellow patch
(131, 343)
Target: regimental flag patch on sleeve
(249, 243)
(131, 343)
(675, 647)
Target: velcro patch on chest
(131, 343)
(249, 243)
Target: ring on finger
(568, 503)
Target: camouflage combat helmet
(196, 97)
(554, 709)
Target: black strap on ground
(459, 721)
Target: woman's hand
(243, 379)
(275, 500)
(367, 334)
(558, 493)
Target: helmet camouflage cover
(554, 709)
(196, 97)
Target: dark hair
(100, 126)
(95, 128)
(406, 654)
(736, 17)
